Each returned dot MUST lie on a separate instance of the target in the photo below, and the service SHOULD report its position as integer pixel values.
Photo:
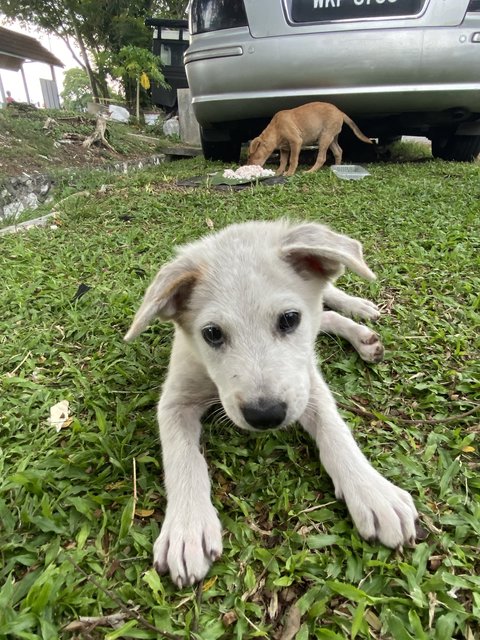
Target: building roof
(16, 48)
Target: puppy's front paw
(187, 545)
(363, 308)
(381, 511)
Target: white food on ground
(248, 172)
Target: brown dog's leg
(336, 149)
(283, 162)
(324, 141)
(295, 147)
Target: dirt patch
(38, 142)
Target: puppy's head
(248, 301)
(259, 151)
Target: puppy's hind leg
(324, 141)
(336, 149)
(363, 339)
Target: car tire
(225, 148)
(456, 148)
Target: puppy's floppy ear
(254, 144)
(313, 249)
(167, 295)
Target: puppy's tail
(355, 129)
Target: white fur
(242, 280)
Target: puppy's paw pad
(369, 347)
(371, 339)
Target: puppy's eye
(288, 321)
(213, 335)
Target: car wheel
(220, 146)
(455, 147)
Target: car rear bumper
(435, 69)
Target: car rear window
(213, 15)
(328, 10)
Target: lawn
(80, 508)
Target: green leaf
(153, 580)
(313, 595)
(15, 627)
(396, 627)
(83, 535)
(126, 518)
(318, 608)
(348, 591)
(39, 596)
(250, 579)
(283, 581)
(101, 419)
(302, 633)
(122, 631)
(267, 559)
(445, 626)
(327, 634)
(358, 618)
(6, 593)
(417, 626)
(447, 477)
(319, 541)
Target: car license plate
(328, 10)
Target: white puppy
(247, 306)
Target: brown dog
(289, 130)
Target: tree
(141, 66)
(76, 89)
(100, 28)
(172, 8)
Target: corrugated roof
(15, 48)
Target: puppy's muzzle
(264, 413)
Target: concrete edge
(24, 226)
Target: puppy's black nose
(265, 413)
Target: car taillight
(213, 15)
(473, 6)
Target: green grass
(68, 544)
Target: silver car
(397, 67)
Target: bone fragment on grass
(59, 415)
(114, 620)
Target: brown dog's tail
(355, 129)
